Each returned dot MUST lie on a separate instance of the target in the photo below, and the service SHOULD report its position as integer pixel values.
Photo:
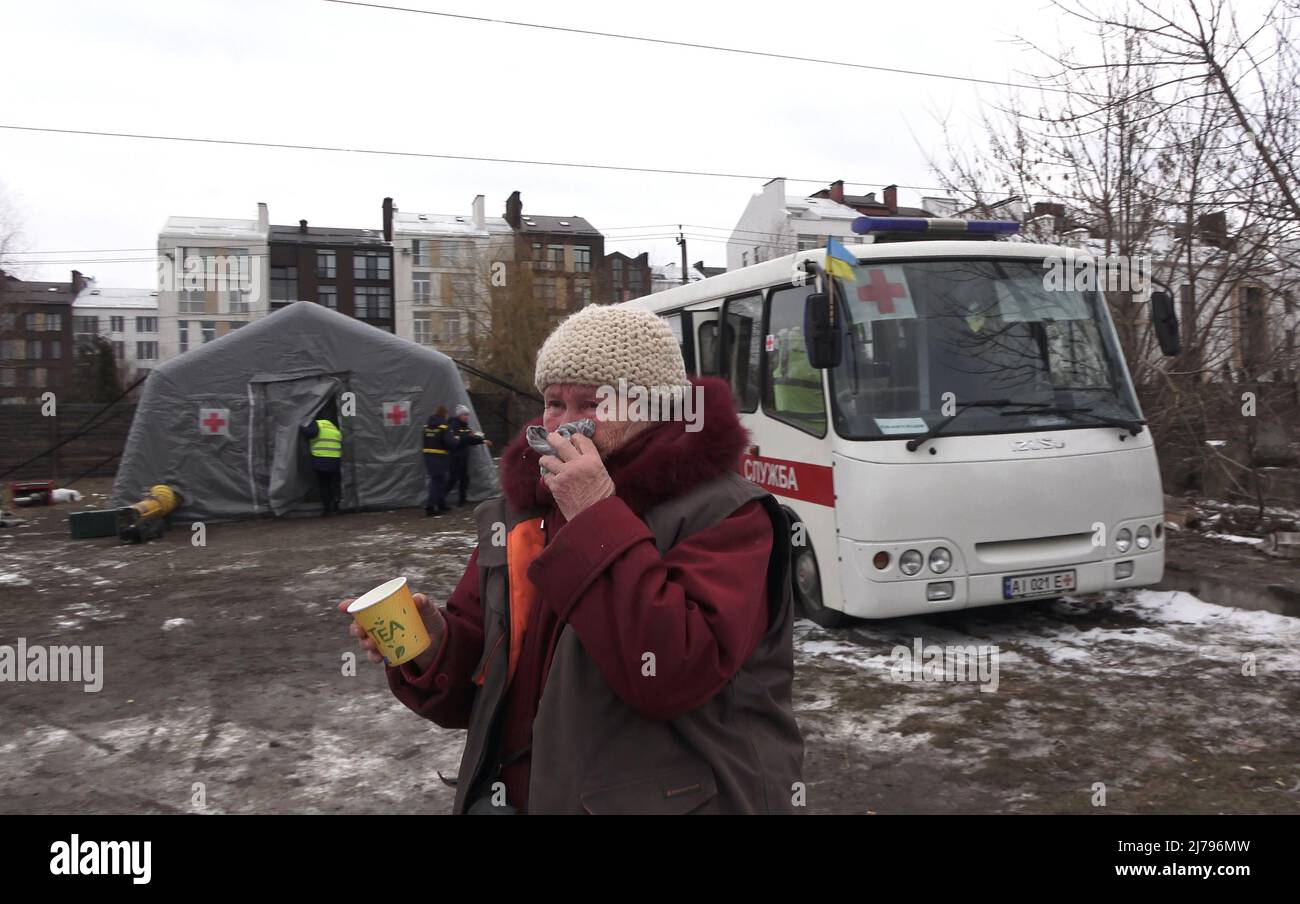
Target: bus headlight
(940, 560)
(910, 562)
(1124, 540)
(1144, 537)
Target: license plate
(1026, 586)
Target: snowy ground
(223, 669)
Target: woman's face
(566, 402)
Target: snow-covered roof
(97, 298)
(213, 228)
(819, 208)
(446, 224)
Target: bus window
(741, 350)
(707, 348)
(675, 324)
(792, 391)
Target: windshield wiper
(1134, 427)
(917, 442)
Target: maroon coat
(702, 605)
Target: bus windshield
(926, 336)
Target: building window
(582, 258)
(537, 255)
(209, 328)
(584, 295)
(328, 296)
(239, 301)
(326, 264)
(8, 376)
(191, 301)
(462, 288)
(616, 271)
(421, 252)
(146, 351)
(370, 265)
(421, 288)
(12, 349)
(451, 327)
(146, 324)
(555, 257)
(284, 284)
(808, 242)
(374, 303)
(183, 331)
(7, 321)
(34, 350)
(117, 324)
(453, 253)
(55, 349)
(38, 377)
(54, 322)
(423, 324)
(119, 351)
(546, 293)
(636, 282)
(744, 258)
(84, 325)
(235, 324)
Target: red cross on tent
(396, 414)
(214, 421)
(885, 288)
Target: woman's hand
(434, 623)
(576, 476)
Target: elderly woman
(620, 641)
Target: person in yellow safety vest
(325, 441)
(796, 384)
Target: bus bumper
(890, 599)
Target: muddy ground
(224, 669)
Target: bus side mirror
(821, 331)
(1164, 320)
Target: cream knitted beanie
(601, 343)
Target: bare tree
(1128, 155)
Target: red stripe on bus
(794, 479)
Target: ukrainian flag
(840, 261)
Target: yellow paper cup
(389, 616)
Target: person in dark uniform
(325, 440)
(466, 439)
(439, 442)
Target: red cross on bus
(881, 291)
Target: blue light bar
(873, 225)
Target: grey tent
(220, 423)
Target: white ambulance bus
(978, 442)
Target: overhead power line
(235, 142)
(695, 46)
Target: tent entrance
(283, 477)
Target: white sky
(241, 68)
